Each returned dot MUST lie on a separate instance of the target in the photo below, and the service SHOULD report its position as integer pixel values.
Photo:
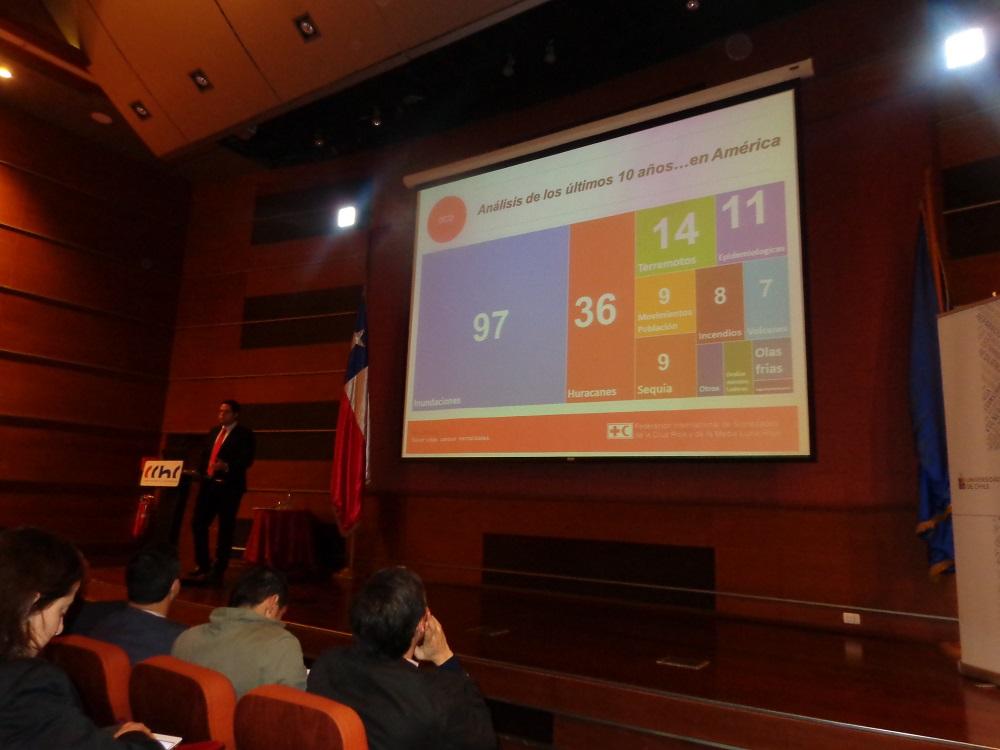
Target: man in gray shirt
(247, 640)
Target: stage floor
(650, 675)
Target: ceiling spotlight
(200, 80)
(964, 48)
(692, 5)
(307, 27)
(376, 118)
(507, 71)
(6, 72)
(140, 110)
(318, 140)
(549, 58)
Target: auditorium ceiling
(283, 82)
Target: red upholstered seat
(175, 697)
(277, 717)
(99, 671)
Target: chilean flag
(350, 453)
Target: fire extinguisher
(143, 513)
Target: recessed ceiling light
(101, 117)
(201, 81)
(140, 110)
(307, 27)
(5, 72)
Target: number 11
(756, 201)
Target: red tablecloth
(284, 539)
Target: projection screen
(639, 294)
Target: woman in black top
(39, 708)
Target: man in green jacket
(247, 640)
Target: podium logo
(447, 219)
(158, 473)
(621, 430)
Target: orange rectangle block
(752, 431)
(600, 345)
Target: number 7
(766, 286)
(499, 316)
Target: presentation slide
(636, 296)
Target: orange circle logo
(447, 219)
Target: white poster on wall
(970, 369)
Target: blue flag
(927, 408)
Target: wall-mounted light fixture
(347, 216)
(964, 48)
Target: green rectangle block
(675, 237)
(737, 363)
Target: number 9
(481, 324)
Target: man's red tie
(220, 438)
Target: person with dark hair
(401, 705)
(39, 708)
(142, 628)
(247, 640)
(228, 453)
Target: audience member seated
(142, 628)
(84, 615)
(401, 705)
(39, 709)
(247, 640)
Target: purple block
(759, 215)
(710, 370)
(526, 275)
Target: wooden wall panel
(579, 734)
(75, 163)
(292, 475)
(191, 404)
(98, 517)
(64, 274)
(41, 206)
(36, 454)
(344, 266)
(973, 279)
(102, 340)
(40, 390)
(214, 352)
(89, 248)
(211, 298)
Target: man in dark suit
(228, 453)
(401, 705)
(142, 627)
